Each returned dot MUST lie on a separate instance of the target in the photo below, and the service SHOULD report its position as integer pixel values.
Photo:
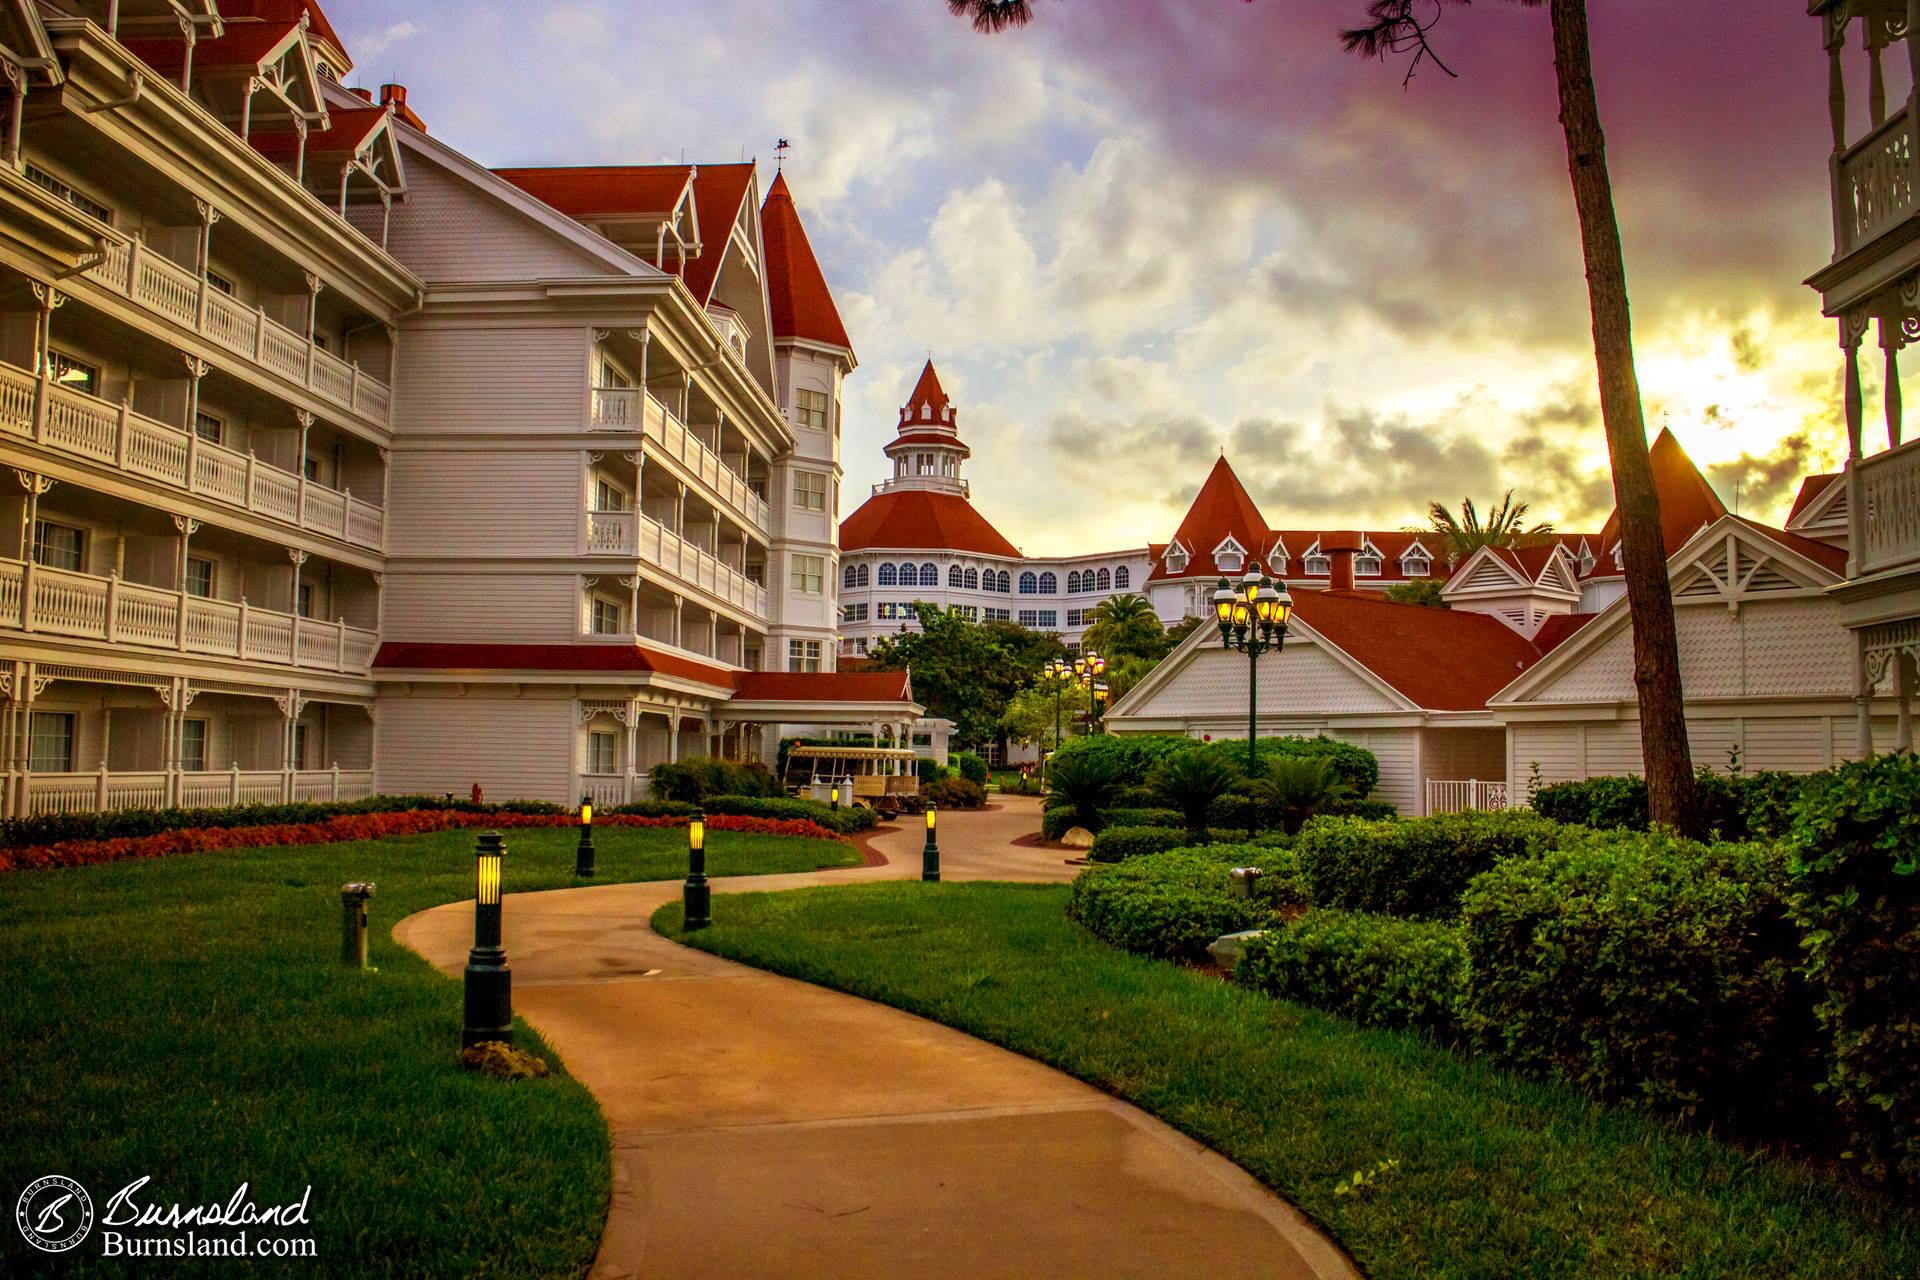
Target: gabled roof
(1810, 489)
(1688, 503)
(1824, 554)
(718, 192)
(920, 520)
(1438, 659)
(831, 686)
(1221, 508)
(348, 131)
(318, 28)
(797, 292)
(927, 391)
(246, 46)
(607, 192)
(1559, 628)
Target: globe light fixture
(1253, 620)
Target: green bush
(930, 771)
(1641, 965)
(1190, 781)
(1756, 806)
(846, 820)
(1414, 867)
(972, 768)
(1281, 886)
(1376, 970)
(691, 781)
(1854, 887)
(957, 793)
(1018, 785)
(1057, 821)
(1367, 808)
(1292, 789)
(1142, 818)
(56, 828)
(1169, 905)
(1116, 844)
(1085, 782)
(1354, 766)
(1131, 756)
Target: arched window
(1028, 583)
(973, 579)
(888, 575)
(861, 580)
(846, 576)
(1006, 583)
(1106, 580)
(909, 575)
(1073, 582)
(929, 575)
(955, 575)
(1049, 585)
(1122, 579)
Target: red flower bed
(358, 826)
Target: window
(304, 605)
(1319, 564)
(803, 655)
(220, 282)
(208, 427)
(1176, 560)
(1416, 566)
(1228, 561)
(971, 580)
(600, 749)
(889, 576)
(1049, 585)
(57, 546)
(77, 375)
(971, 612)
(853, 612)
(1049, 619)
(1121, 579)
(608, 496)
(606, 618)
(860, 578)
(812, 408)
(1073, 583)
(193, 746)
(611, 374)
(999, 615)
(300, 746)
(310, 468)
(807, 574)
(955, 575)
(889, 611)
(1006, 581)
(846, 577)
(929, 575)
(1029, 617)
(1106, 580)
(52, 742)
(199, 578)
(923, 464)
(909, 575)
(809, 491)
(1076, 616)
(1029, 584)
(1367, 565)
(41, 178)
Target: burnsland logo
(54, 1213)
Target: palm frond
(990, 16)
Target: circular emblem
(54, 1213)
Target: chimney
(394, 96)
(1340, 548)
(364, 94)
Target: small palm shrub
(1300, 786)
(1191, 781)
(1084, 783)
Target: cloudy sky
(1141, 231)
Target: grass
(187, 1019)
(1496, 1177)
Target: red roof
(929, 392)
(718, 191)
(1440, 659)
(1559, 628)
(282, 11)
(606, 192)
(915, 520)
(1824, 554)
(1222, 507)
(797, 292)
(1810, 488)
(835, 686)
(758, 686)
(347, 131)
(945, 439)
(1687, 502)
(245, 46)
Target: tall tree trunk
(1656, 650)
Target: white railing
(610, 533)
(1875, 183)
(102, 791)
(630, 409)
(696, 565)
(171, 290)
(114, 435)
(1459, 796)
(964, 487)
(34, 598)
(1890, 509)
(604, 790)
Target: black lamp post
(695, 894)
(930, 856)
(1252, 620)
(1087, 670)
(1058, 673)
(489, 989)
(583, 856)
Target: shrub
(1169, 905)
(1414, 867)
(957, 793)
(1855, 888)
(1085, 783)
(1020, 785)
(1755, 806)
(972, 768)
(1297, 787)
(1142, 818)
(1117, 844)
(1354, 766)
(1367, 808)
(929, 770)
(1642, 965)
(846, 820)
(1190, 781)
(1057, 821)
(1132, 756)
(691, 781)
(115, 824)
(1595, 802)
(1281, 886)
(1376, 970)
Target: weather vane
(780, 149)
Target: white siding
(1395, 749)
(1556, 748)
(444, 231)
(459, 502)
(519, 381)
(515, 748)
(493, 608)
(1302, 680)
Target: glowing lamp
(697, 832)
(586, 814)
(487, 861)
(583, 853)
(696, 895)
(489, 984)
(930, 855)
(1223, 603)
(931, 812)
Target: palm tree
(1126, 626)
(1402, 27)
(1467, 533)
(1084, 782)
(1300, 786)
(1190, 781)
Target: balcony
(89, 427)
(103, 791)
(173, 292)
(58, 602)
(611, 533)
(658, 546)
(946, 484)
(1874, 186)
(630, 409)
(1889, 529)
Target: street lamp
(489, 984)
(1087, 672)
(583, 856)
(1253, 620)
(930, 856)
(696, 896)
(1057, 673)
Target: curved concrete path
(764, 1127)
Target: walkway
(763, 1127)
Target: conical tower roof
(1687, 502)
(797, 294)
(1221, 509)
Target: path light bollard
(489, 982)
(835, 803)
(353, 923)
(930, 856)
(696, 896)
(583, 856)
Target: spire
(1688, 503)
(797, 293)
(1220, 510)
(928, 404)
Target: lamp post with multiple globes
(1253, 620)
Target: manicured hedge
(1854, 887)
(845, 820)
(57, 828)
(1413, 867)
(1169, 905)
(1056, 821)
(1136, 754)
(957, 793)
(1640, 965)
(1281, 886)
(1755, 806)
(1377, 970)
(1142, 817)
(972, 768)
(1355, 766)
(1117, 844)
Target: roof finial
(780, 149)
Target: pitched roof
(1440, 659)
(1688, 503)
(1222, 507)
(927, 391)
(797, 292)
(831, 686)
(1824, 554)
(348, 129)
(1810, 488)
(946, 440)
(754, 686)
(1558, 628)
(718, 192)
(608, 191)
(916, 519)
(284, 11)
(245, 46)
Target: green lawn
(1496, 1177)
(187, 1019)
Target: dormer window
(1318, 565)
(1228, 561)
(1367, 564)
(1176, 559)
(926, 413)
(1415, 565)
